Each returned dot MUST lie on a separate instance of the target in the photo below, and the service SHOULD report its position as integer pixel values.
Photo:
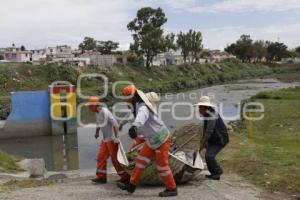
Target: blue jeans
(210, 156)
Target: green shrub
(61, 73)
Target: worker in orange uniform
(153, 99)
(106, 122)
(157, 142)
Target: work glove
(133, 132)
(116, 140)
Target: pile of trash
(184, 158)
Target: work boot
(168, 193)
(126, 186)
(213, 177)
(99, 180)
(123, 181)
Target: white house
(38, 55)
(63, 51)
(168, 58)
(218, 56)
(98, 59)
(290, 60)
(14, 54)
(80, 62)
(173, 58)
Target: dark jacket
(215, 130)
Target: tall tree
(231, 49)
(148, 33)
(88, 44)
(277, 51)
(183, 43)
(247, 50)
(106, 47)
(243, 48)
(190, 44)
(196, 46)
(170, 42)
(259, 50)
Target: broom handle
(136, 147)
(185, 143)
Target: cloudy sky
(42, 23)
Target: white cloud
(178, 5)
(39, 23)
(219, 38)
(232, 6)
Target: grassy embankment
(8, 163)
(288, 73)
(272, 157)
(21, 184)
(159, 79)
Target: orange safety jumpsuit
(108, 148)
(137, 141)
(162, 164)
(159, 139)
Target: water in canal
(79, 151)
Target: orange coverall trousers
(109, 149)
(162, 164)
(137, 141)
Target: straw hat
(205, 101)
(146, 101)
(153, 98)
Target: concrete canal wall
(30, 115)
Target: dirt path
(231, 187)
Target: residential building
(218, 56)
(15, 54)
(75, 61)
(38, 55)
(98, 59)
(168, 58)
(173, 58)
(290, 60)
(63, 51)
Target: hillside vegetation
(272, 157)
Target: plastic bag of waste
(183, 169)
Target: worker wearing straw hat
(153, 99)
(158, 141)
(109, 145)
(214, 138)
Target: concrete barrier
(63, 102)
(30, 115)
